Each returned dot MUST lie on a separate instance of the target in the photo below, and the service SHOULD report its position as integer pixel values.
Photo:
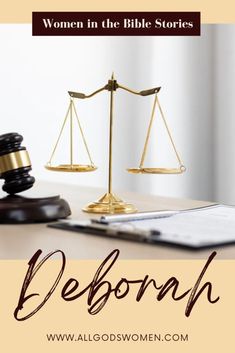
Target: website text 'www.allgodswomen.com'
(117, 337)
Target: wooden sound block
(16, 209)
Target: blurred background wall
(197, 76)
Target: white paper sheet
(196, 228)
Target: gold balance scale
(109, 203)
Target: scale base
(110, 204)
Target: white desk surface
(22, 241)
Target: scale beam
(112, 86)
(144, 93)
(83, 96)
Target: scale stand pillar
(109, 202)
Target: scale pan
(72, 168)
(156, 170)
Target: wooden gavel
(15, 164)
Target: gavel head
(14, 164)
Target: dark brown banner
(116, 23)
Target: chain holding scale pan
(110, 203)
(143, 170)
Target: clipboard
(195, 229)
